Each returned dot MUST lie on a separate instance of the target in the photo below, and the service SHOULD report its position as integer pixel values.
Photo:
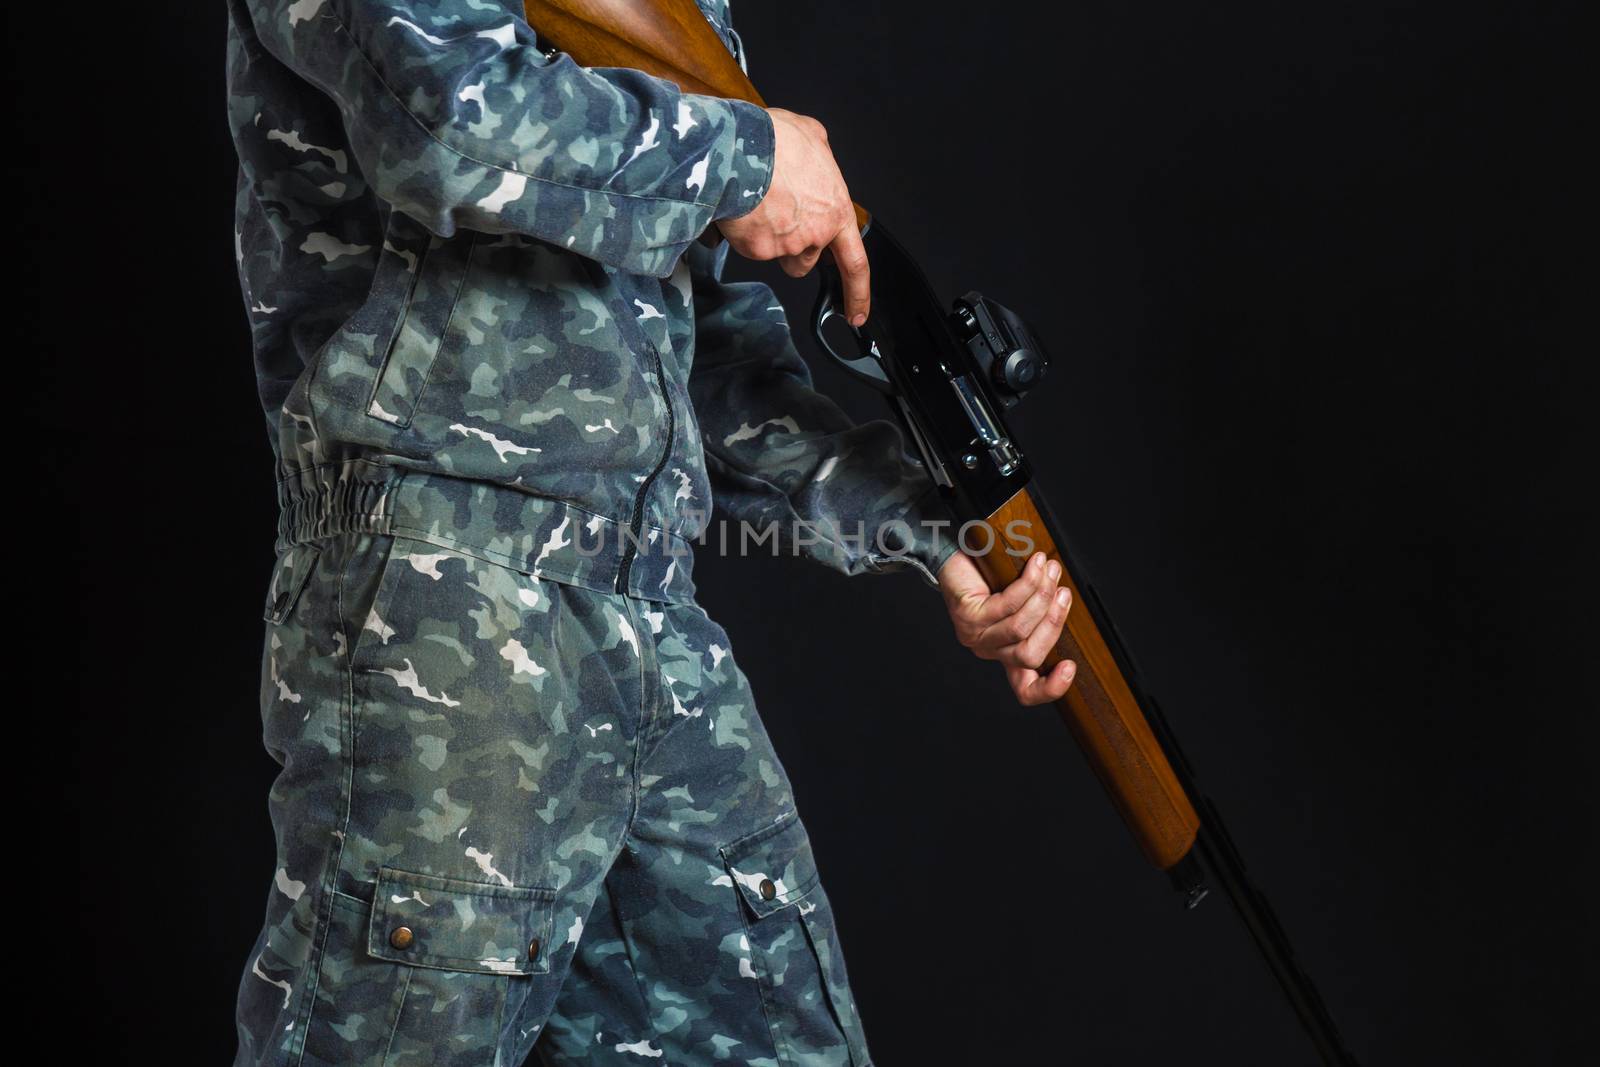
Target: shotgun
(949, 377)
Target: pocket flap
(289, 575)
(773, 867)
(427, 921)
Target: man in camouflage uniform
(525, 795)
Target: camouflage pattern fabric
(525, 795)
(461, 258)
(512, 808)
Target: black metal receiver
(950, 376)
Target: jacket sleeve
(783, 457)
(458, 119)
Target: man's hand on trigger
(1017, 626)
(806, 209)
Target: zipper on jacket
(636, 523)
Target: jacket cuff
(927, 537)
(749, 161)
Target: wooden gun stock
(670, 39)
(1100, 709)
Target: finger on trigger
(855, 275)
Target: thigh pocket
(793, 946)
(427, 972)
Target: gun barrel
(1114, 703)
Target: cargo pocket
(428, 971)
(290, 572)
(793, 945)
(420, 334)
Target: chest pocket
(423, 328)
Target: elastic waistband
(537, 535)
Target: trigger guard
(864, 367)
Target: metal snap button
(401, 937)
(768, 890)
(533, 949)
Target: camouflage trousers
(517, 816)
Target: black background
(1311, 280)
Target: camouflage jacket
(481, 316)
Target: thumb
(960, 581)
